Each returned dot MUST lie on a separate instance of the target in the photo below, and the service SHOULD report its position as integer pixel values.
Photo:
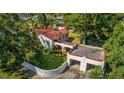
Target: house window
(48, 43)
(43, 40)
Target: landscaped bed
(49, 61)
(75, 37)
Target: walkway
(72, 73)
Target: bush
(118, 73)
(30, 56)
(96, 73)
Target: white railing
(45, 73)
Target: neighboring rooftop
(27, 16)
(90, 52)
(52, 34)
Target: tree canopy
(17, 43)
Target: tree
(45, 19)
(81, 22)
(117, 74)
(17, 42)
(115, 46)
(99, 26)
(96, 73)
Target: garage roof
(90, 52)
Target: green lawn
(49, 60)
(45, 61)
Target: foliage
(117, 73)
(46, 20)
(18, 74)
(16, 41)
(115, 47)
(80, 22)
(96, 73)
(93, 26)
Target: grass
(21, 73)
(49, 61)
(45, 61)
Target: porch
(64, 47)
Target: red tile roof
(52, 34)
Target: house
(48, 37)
(27, 16)
(59, 19)
(60, 23)
(58, 38)
(85, 55)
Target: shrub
(118, 73)
(96, 73)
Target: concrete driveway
(72, 73)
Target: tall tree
(16, 43)
(98, 25)
(115, 46)
(45, 19)
(80, 22)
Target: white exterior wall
(45, 45)
(61, 28)
(45, 73)
(68, 59)
(84, 61)
(75, 57)
(94, 62)
(62, 38)
(63, 45)
(83, 66)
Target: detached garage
(87, 55)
